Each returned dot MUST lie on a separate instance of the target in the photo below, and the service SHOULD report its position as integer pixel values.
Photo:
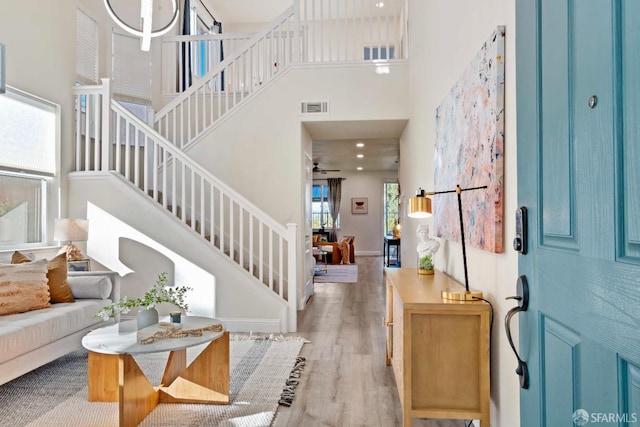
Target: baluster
(78, 136)
(212, 223)
(260, 251)
(280, 267)
(202, 207)
(270, 258)
(251, 244)
(174, 180)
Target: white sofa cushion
(23, 332)
(90, 286)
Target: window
(374, 53)
(86, 48)
(131, 70)
(28, 141)
(21, 213)
(204, 54)
(320, 215)
(391, 206)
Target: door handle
(522, 296)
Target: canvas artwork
(359, 205)
(469, 151)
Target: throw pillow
(57, 275)
(20, 258)
(23, 287)
(58, 287)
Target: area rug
(342, 273)
(263, 371)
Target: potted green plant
(159, 293)
(425, 265)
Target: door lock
(520, 241)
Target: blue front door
(578, 106)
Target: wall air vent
(314, 107)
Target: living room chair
(342, 252)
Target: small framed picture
(82, 265)
(359, 205)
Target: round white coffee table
(114, 375)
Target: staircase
(108, 138)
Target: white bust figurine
(426, 245)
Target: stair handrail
(180, 155)
(224, 63)
(167, 126)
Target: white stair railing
(110, 138)
(310, 31)
(230, 82)
(186, 59)
(353, 30)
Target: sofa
(32, 338)
(340, 252)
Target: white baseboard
(368, 253)
(252, 325)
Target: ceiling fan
(317, 169)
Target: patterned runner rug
(263, 372)
(341, 273)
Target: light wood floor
(345, 381)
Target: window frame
(49, 199)
(324, 190)
(395, 214)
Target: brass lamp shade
(419, 207)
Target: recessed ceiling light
(360, 144)
(359, 168)
(360, 156)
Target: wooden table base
(118, 378)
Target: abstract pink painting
(469, 151)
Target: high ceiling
(334, 143)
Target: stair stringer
(230, 294)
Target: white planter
(147, 317)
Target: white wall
(443, 42)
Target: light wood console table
(439, 349)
